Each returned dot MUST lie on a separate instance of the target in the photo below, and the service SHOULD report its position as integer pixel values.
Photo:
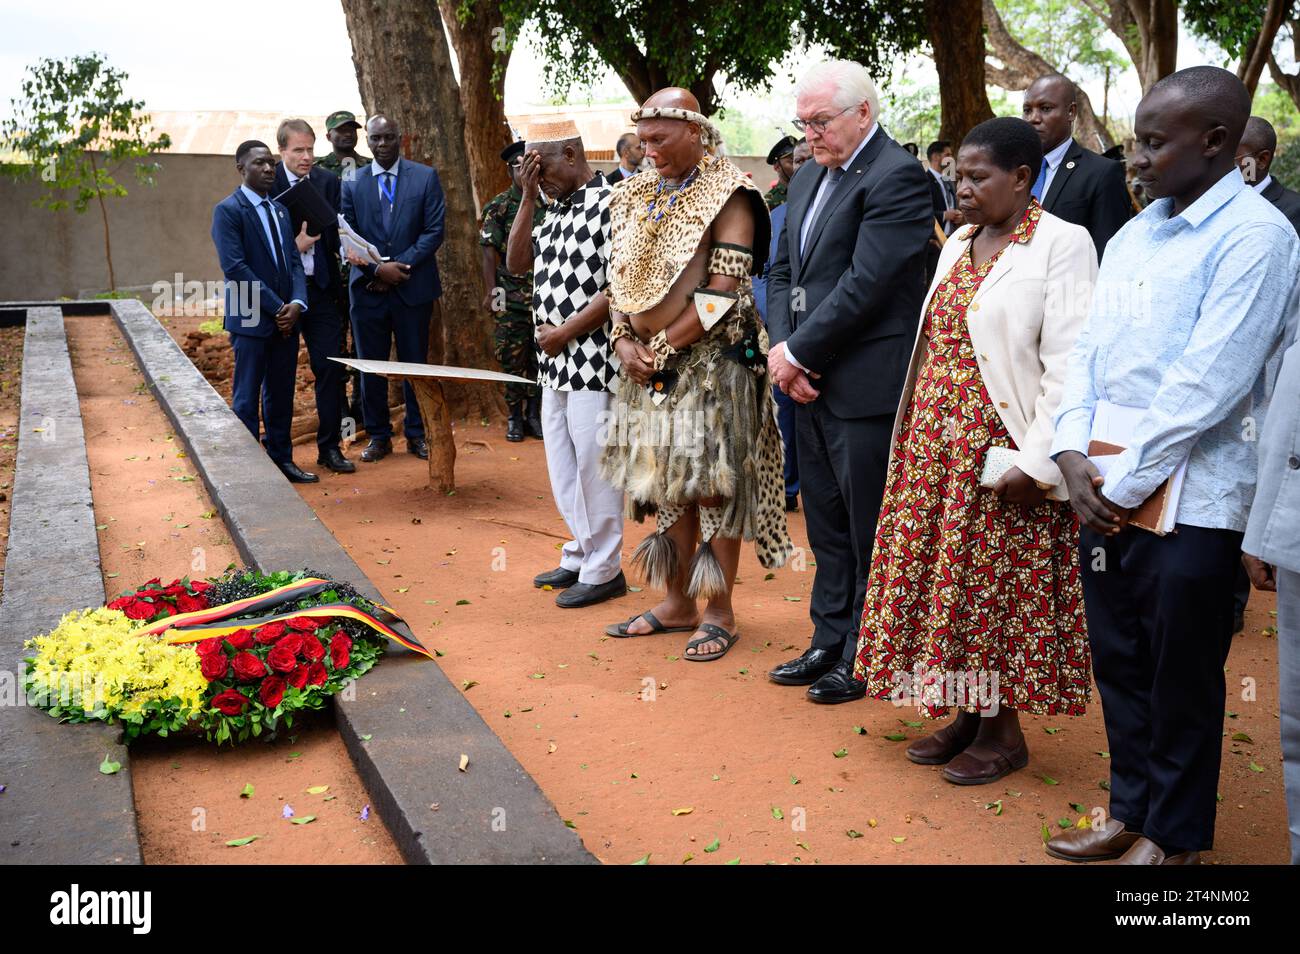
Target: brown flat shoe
(966, 768)
(1083, 844)
(1147, 852)
(941, 747)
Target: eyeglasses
(819, 125)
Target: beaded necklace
(652, 218)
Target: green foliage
(69, 109)
(1229, 24)
(1063, 32)
(687, 43)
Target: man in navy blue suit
(322, 327)
(398, 206)
(266, 293)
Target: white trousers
(592, 508)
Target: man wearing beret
(781, 158)
(341, 129)
(509, 297)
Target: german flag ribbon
(232, 617)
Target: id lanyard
(387, 193)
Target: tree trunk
(956, 29)
(103, 214)
(1258, 51)
(1288, 81)
(403, 66)
(1021, 66)
(482, 55)
(1149, 31)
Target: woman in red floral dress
(973, 600)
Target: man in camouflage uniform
(781, 159)
(341, 129)
(509, 297)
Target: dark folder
(306, 203)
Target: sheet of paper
(353, 241)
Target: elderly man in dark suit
(397, 205)
(266, 294)
(322, 327)
(1074, 184)
(844, 296)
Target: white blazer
(1023, 322)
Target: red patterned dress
(969, 600)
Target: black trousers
(1160, 624)
(322, 332)
(841, 479)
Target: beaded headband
(710, 137)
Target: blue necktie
(276, 251)
(1040, 183)
(386, 206)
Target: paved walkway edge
(57, 808)
(407, 726)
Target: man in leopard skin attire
(692, 437)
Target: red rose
(241, 639)
(121, 603)
(166, 609)
(176, 589)
(248, 667)
(213, 666)
(156, 581)
(148, 594)
(307, 623)
(207, 647)
(138, 609)
(298, 678)
(231, 702)
(189, 604)
(312, 650)
(316, 675)
(272, 691)
(339, 647)
(292, 642)
(270, 632)
(281, 659)
(198, 586)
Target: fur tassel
(706, 577)
(655, 558)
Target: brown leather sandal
(969, 769)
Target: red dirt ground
(11, 373)
(720, 745)
(155, 520)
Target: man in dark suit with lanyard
(843, 300)
(398, 206)
(322, 328)
(1074, 184)
(266, 293)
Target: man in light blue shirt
(1190, 304)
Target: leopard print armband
(621, 330)
(733, 261)
(661, 349)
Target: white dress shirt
(1262, 184)
(815, 207)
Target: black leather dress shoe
(335, 461)
(557, 579)
(296, 474)
(805, 670)
(838, 685)
(589, 594)
(377, 449)
(419, 447)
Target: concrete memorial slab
(57, 807)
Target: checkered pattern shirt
(570, 254)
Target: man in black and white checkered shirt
(568, 253)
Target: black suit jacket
(861, 277)
(327, 248)
(1089, 190)
(1287, 202)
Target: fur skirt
(706, 427)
